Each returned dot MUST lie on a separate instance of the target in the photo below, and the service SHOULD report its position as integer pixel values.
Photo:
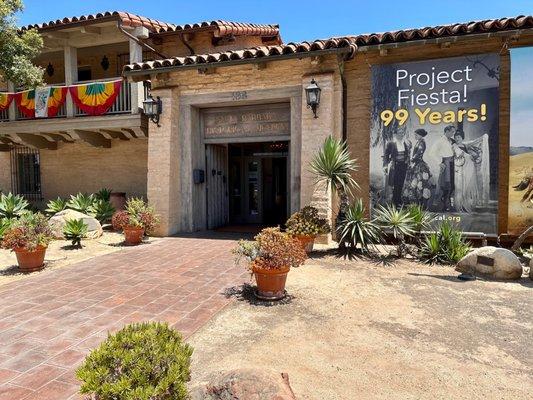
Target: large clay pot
(31, 261)
(270, 283)
(133, 235)
(118, 200)
(306, 242)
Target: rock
(244, 384)
(505, 264)
(58, 221)
(531, 268)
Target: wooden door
(217, 185)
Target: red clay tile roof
(350, 42)
(126, 18)
(346, 43)
(226, 28)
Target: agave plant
(396, 222)
(356, 230)
(5, 224)
(12, 206)
(102, 210)
(81, 202)
(75, 230)
(55, 206)
(103, 194)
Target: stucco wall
(79, 167)
(5, 171)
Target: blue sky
(299, 20)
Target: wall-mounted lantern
(50, 69)
(105, 63)
(153, 108)
(312, 94)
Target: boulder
(491, 262)
(531, 268)
(244, 384)
(58, 221)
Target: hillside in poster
(521, 151)
(434, 138)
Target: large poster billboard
(521, 151)
(434, 138)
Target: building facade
(236, 137)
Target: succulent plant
(12, 206)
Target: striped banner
(95, 98)
(26, 102)
(5, 100)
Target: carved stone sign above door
(266, 120)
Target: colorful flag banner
(5, 100)
(26, 102)
(56, 99)
(95, 98)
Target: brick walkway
(50, 321)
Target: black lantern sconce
(312, 95)
(50, 69)
(153, 108)
(105, 63)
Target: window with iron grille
(26, 173)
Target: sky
(298, 20)
(522, 98)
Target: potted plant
(29, 237)
(305, 225)
(270, 257)
(138, 219)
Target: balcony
(121, 121)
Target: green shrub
(422, 219)
(5, 224)
(396, 222)
(445, 246)
(103, 194)
(356, 230)
(55, 206)
(147, 361)
(102, 210)
(12, 206)
(307, 222)
(81, 202)
(75, 230)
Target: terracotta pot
(133, 235)
(118, 200)
(30, 261)
(270, 283)
(306, 242)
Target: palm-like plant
(12, 206)
(81, 202)
(445, 246)
(103, 194)
(398, 223)
(356, 230)
(422, 219)
(55, 206)
(333, 166)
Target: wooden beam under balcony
(5, 147)
(92, 138)
(34, 141)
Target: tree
(18, 48)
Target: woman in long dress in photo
(471, 172)
(417, 188)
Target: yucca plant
(55, 206)
(102, 210)
(356, 230)
(81, 202)
(422, 219)
(333, 166)
(445, 246)
(103, 194)
(75, 230)
(396, 222)
(12, 206)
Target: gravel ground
(365, 330)
(60, 254)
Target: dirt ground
(60, 253)
(363, 330)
